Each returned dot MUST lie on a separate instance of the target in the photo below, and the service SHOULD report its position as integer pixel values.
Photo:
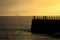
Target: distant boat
(16, 15)
(45, 25)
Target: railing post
(34, 17)
(44, 17)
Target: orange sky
(29, 7)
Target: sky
(29, 7)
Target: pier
(45, 25)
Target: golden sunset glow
(30, 7)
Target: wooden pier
(45, 25)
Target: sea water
(18, 28)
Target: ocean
(18, 28)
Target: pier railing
(40, 25)
(48, 17)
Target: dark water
(17, 28)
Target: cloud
(29, 7)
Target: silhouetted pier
(45, 25)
